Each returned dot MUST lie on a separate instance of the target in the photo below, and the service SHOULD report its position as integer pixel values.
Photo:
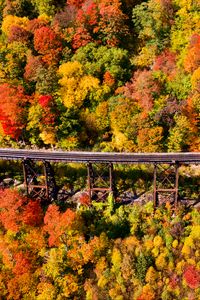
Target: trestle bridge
(165, 175)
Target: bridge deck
(99, 157)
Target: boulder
(8, 181)
(21, 187)
(17, 182)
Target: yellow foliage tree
(179, 134)
(149, 139)
(15, 56)
(11, 20)
(75, 85)
(186, 23)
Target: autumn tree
(76, 86)
(56, 223)
(143, 88)
(20, 8)
(192, 60)
(149, 139)
(111, 65)
(166, 64)
(186, 23)
(13, 61)
(47, 43)
(41, 120)
(48, 7)
(178, 139)
(102, 21)
(33, 68)
(37, 23)
(152, 20)
(12, 111)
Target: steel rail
(100, 157)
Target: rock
(197, 205)
(17, 182)
(81, 197)
(63, 195)
(76, 196)
(21, 187)
(8, 181)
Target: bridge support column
(100, 180)
(165, 182)
(42, 186)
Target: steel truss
(42, 186)
(166, 181)
(100, 180)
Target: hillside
(100, 75)
(99, 252)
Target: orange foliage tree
(56, 223)
(47, 43)
(192, 60)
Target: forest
(100, 75)
(97, 252)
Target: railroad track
(100, 157)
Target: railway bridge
(165, 177)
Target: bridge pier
(100, 180)
(165, 181)
(39, 185)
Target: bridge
(165, 178)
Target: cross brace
(166, 178)
(39, 185)
(100, 180)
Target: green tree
(98, 60)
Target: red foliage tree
(45, 39)
(12, 109)
(166, 63)
(142, 88)
(48, 113)
(108, 78)
(192, 277)
(81, 38)
(88, 14)
(84, 199)
(16, 210)
(112, 21)
(102, 21)
(45, 100)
